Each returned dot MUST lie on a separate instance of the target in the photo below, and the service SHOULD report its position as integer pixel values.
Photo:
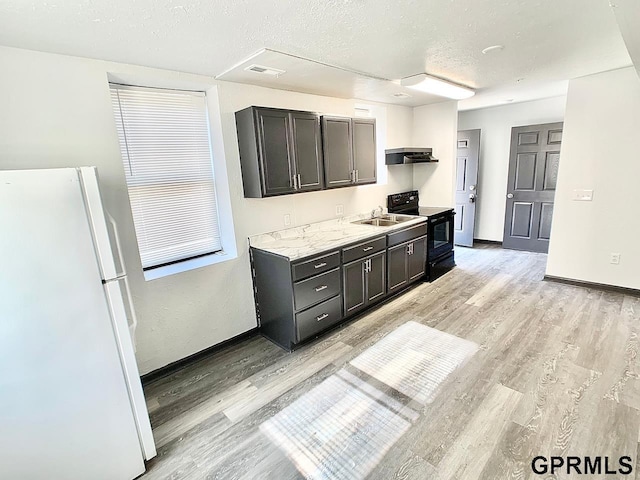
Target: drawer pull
(320, 265)
(321, 287)
(322, 317)
(367, 249)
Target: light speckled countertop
(311, 239)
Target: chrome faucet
(373, 212)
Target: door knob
(509, 195)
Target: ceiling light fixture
(401, 95)
(436, 86)
(493, 48)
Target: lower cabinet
(296, 300)
(406, 263)
(318, 318)
(417, 259)
(363, 282)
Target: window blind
(164, 142)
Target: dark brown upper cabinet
(280, 151)
(349, 149)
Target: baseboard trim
(487, 242)
(597, 286)
(193, 358)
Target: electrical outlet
(615, 258)
(582, 195)
(339, 209)
(287, 220)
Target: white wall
(436, 126)
(495, 140)
(56, 112)
(599, 152)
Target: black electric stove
(440, 254)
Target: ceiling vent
(274, 72)
(401, 95)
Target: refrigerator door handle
(116, 235)
(126, 350)
(123, 276)
(132, 311)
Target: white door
(64, 407)
(467, 160)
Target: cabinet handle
(321, 287)
(322, 317)
(409, 249)
(366, 249)
(357, 175)
(295, 186)
(299, 181)
(353, 176)
(320, 265)
(367, 266)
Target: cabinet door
(417, 260)
(397, 267)
(306, 148)
(275, 159)
(337, 149)
(376, 277)
(364, 150)
(353, 276)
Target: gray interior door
(533, 173)
(467, 160)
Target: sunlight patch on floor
(343, 428)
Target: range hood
(399, 156)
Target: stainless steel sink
(377, 222)
(386, 220)
(396, 218)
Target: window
(166, 152)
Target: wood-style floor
(537, 368)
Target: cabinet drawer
(315, 289)
(317, 318)
(363, 249)
(316, 266)
(416, 231)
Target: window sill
(187, 265)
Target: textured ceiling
(545, 41)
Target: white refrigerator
(71, 400)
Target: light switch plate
(582, 195)
(339, 209)
(287, 220)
